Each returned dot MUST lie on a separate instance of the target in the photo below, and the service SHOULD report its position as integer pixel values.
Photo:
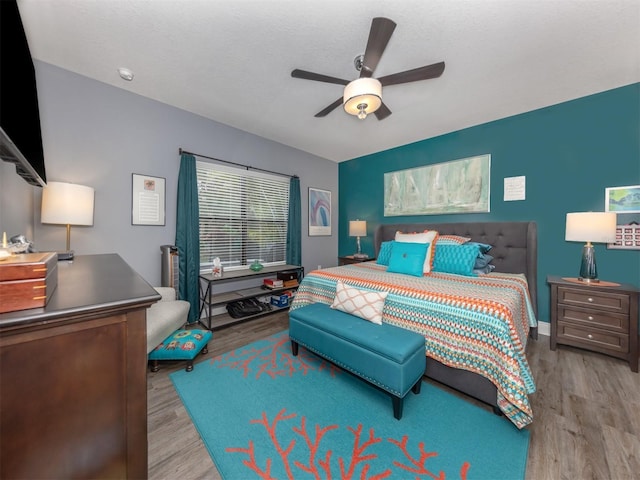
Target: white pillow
(428, 236)
(365, 304)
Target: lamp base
(360, 255)
(588, 280)
(588, 269)
(66, 255)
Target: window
(243, 216)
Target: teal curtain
(188, 235)
(294, 237)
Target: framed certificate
(147, 200)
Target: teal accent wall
(569, 153)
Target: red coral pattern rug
(265, 414)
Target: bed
(480, 352)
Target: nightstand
(349, 259)
(601, 317)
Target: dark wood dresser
(599, 317)
(73, 390)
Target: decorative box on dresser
(73, 390)
(601, 317)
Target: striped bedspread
(478, 324)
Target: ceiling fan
(363, 95)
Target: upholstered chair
(165, 317)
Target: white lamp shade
(597, 227)
(358, 228)
(67, 204)
(362, 91)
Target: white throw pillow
(365, 304)
(428, 236)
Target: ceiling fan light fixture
(362, 97)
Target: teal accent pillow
(484, 247)
(484, 271)
(457, 259)
(384, 255)
(408, 258)
(483, 260)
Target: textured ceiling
(230, 60)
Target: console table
(73, 383)
(209, 299)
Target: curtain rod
(181, 151)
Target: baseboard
(544, 328)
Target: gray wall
(98, 135)
(16, 203)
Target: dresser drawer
(612, 302)
(590, 318)
(597, 340)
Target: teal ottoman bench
(183, 344)
(389, 357)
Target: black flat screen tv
(20, 133)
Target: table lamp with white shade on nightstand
(358, 228)
(597, 227)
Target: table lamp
(599, 227)
(358, 228)
(67, 204)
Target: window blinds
(243, 216)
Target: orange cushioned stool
(181, 345)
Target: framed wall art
(147, 200)
(319, 212)
(458, 186)
(622, 199)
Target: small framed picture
(147, 200)
(622, 199)
(319, 212)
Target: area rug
(263, 413)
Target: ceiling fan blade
(420, 73)
(317, 77)
(329, 109)
(379, 35)
(382, 112)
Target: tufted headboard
(515, 244)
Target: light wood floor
(586, 413)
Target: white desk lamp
(67, 204)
